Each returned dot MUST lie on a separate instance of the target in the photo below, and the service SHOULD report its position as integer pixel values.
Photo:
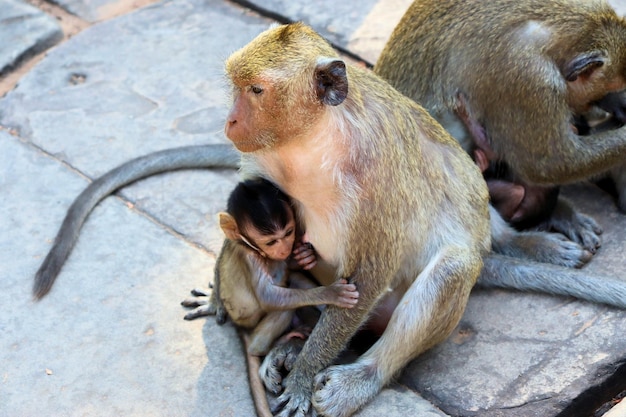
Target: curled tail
(189, 157)
(506, 272)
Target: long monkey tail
(501, 271)
(188, 157)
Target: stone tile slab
(136, 84)
(90, 10)
(24, 31)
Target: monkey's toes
(341, 390)
(197, 292)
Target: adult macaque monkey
(526, 68)
(355, 156)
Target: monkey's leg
(268, 330)
(506, 272)
(425, 316)
(552, 248)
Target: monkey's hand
(278, 361)
(205, 305)
(303, 256)
(342, 294)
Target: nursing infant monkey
(387, 197)
(260, 255)
(252, 269)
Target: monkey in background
(251, 272)
(526, 68)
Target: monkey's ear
(229, 226)
(584, 65)
(331, 81)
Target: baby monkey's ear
(229, 226)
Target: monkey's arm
(548, 151)
(329, 337)
(273, 297)
(207, 156)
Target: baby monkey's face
(278, 245)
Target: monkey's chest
(324, 231)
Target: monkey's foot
(278, 361)
(204, 305)
(341, 390)
(545, 247)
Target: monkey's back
(504, 55)
(233, 275)
(458, 40)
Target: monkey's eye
(256, 89)
(289, 233)
(270, 243)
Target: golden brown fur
(526, 69)
(360, 158)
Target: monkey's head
(281, 82)
(260, 216)
(595, 64)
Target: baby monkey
(255, 281)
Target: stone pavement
(110, 340)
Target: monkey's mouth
(246, 146)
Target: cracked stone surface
(110, 339)
(24, 31)
(90, 10)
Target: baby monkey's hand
(304, 256)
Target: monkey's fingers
(347, 302)
(308, 263)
